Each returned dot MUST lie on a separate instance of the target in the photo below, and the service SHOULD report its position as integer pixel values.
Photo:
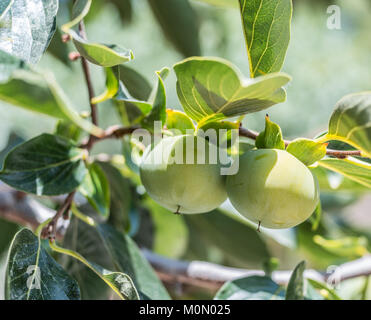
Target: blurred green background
(325, 65)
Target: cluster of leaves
(210, 90)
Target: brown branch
(330, 152)
(89, 84)
(28, 212)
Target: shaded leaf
(59, 49)
(158, 111)
(178, 22)
(68, 130)
(128, 259)
(171, 233)
(351, 122)
(45, 165)
(251, 288)
(271, 137)
(306, 150)
(295, 287)
(212, 88)
(33, 275)
(266, 26)
(241, 244)
(219, 132)
(95, 188)
(351, 168)
(137, 86)
(8, 230)
(119, 282)
(27, 28)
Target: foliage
(112, 217)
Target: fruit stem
(177, 210)
(258, 229)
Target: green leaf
(131, 111)
(137, 86)
(179, 121)
(295, 288)
(128, 259)
(349, 247)
(25, 35)
(121, 197)
(158, 112)
(251, 288)
(266, 27)
(351, 122)
(4, 7)
(325, 291)
(59, 49)
(41, 93)
(240, 243)
(351, 168)
(330, 181)
(271, 137)
(212, 88)
(7, 232)
(33, 275)
(179, 24)
(68, 130)
(119, 282)
(306, 150)
(112, 85)
(95, 188)
(171, 233)
(223, 131)
(104, 55)
(79, 10)
(45, 165)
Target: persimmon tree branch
(50, 230)
(25, 210)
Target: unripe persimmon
(273, 188)
(173, 181)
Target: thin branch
(28, 212)
(330, 152)
(89, 84)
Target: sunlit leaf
(212, 88)
(266, 26)
(179, 121)
(306, 150)
(351, 122)
(271, 137)
(351, 168)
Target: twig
(89, 84)
(29, 212)
(330, 152)
(50, 229)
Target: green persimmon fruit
(273, 188)
(175, 175)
